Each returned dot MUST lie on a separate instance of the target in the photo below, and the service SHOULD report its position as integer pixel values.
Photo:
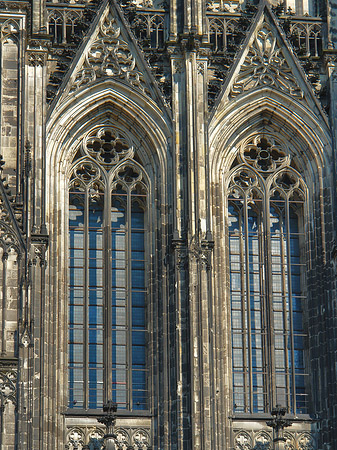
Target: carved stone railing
(92, 437)
(263, 440)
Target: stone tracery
(266, 65)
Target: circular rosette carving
(75, 439)
(107, 145)
(244, 182)
(289, 441)
(8, 386)
(242, 441)
(122, 439)
(95, 438)
(287, 184)
(84, 174)
(129, 175)
(262, 441)
(306, 442)
(141, 439)
(264, 153)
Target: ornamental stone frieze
(126, 438)
(263, 440)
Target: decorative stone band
(126, 438)
(263, 440)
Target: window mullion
(249, 324)
(270, 339)
(284, 256)
(129, 302)
(107, 299)
(244, 312)
(263, 306)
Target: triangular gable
(267, 60)
(108, 51)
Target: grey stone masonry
(216, 121)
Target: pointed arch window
(108, 229)
(266, 207)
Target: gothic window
(217, 35)
(55, 26)
(62, 25)
(149, 29)
(266, 206)
(307, 38)
(107, 281)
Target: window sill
(262, 417)
(99, 412)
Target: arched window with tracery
(265, 227)
(108, 227)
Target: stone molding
(126, 438)
(263, 440)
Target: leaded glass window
(107, 280)
(266, 207)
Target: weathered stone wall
(187, 149)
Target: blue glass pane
(138, 317)
(95, 239)
(233, 219)
(137, 218)
(95, 315)
(95, 218)
(138, 338)
(95, 353)
(138, 355)
(117, 214)
(298, 356)
(297, 319)
(140, 265)
(138, 298)
(95, 296)
(137, 241)
(139, 379)
(293, 222)
(139, 400)
(138, 279)
(294, 246)
(95, 336)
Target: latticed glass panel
(266, 239)
(107, 293)
(247, 307)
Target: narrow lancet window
(108, 227)
(266, 207)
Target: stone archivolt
(108, 56)
(266, 65)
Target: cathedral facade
(168, 236)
